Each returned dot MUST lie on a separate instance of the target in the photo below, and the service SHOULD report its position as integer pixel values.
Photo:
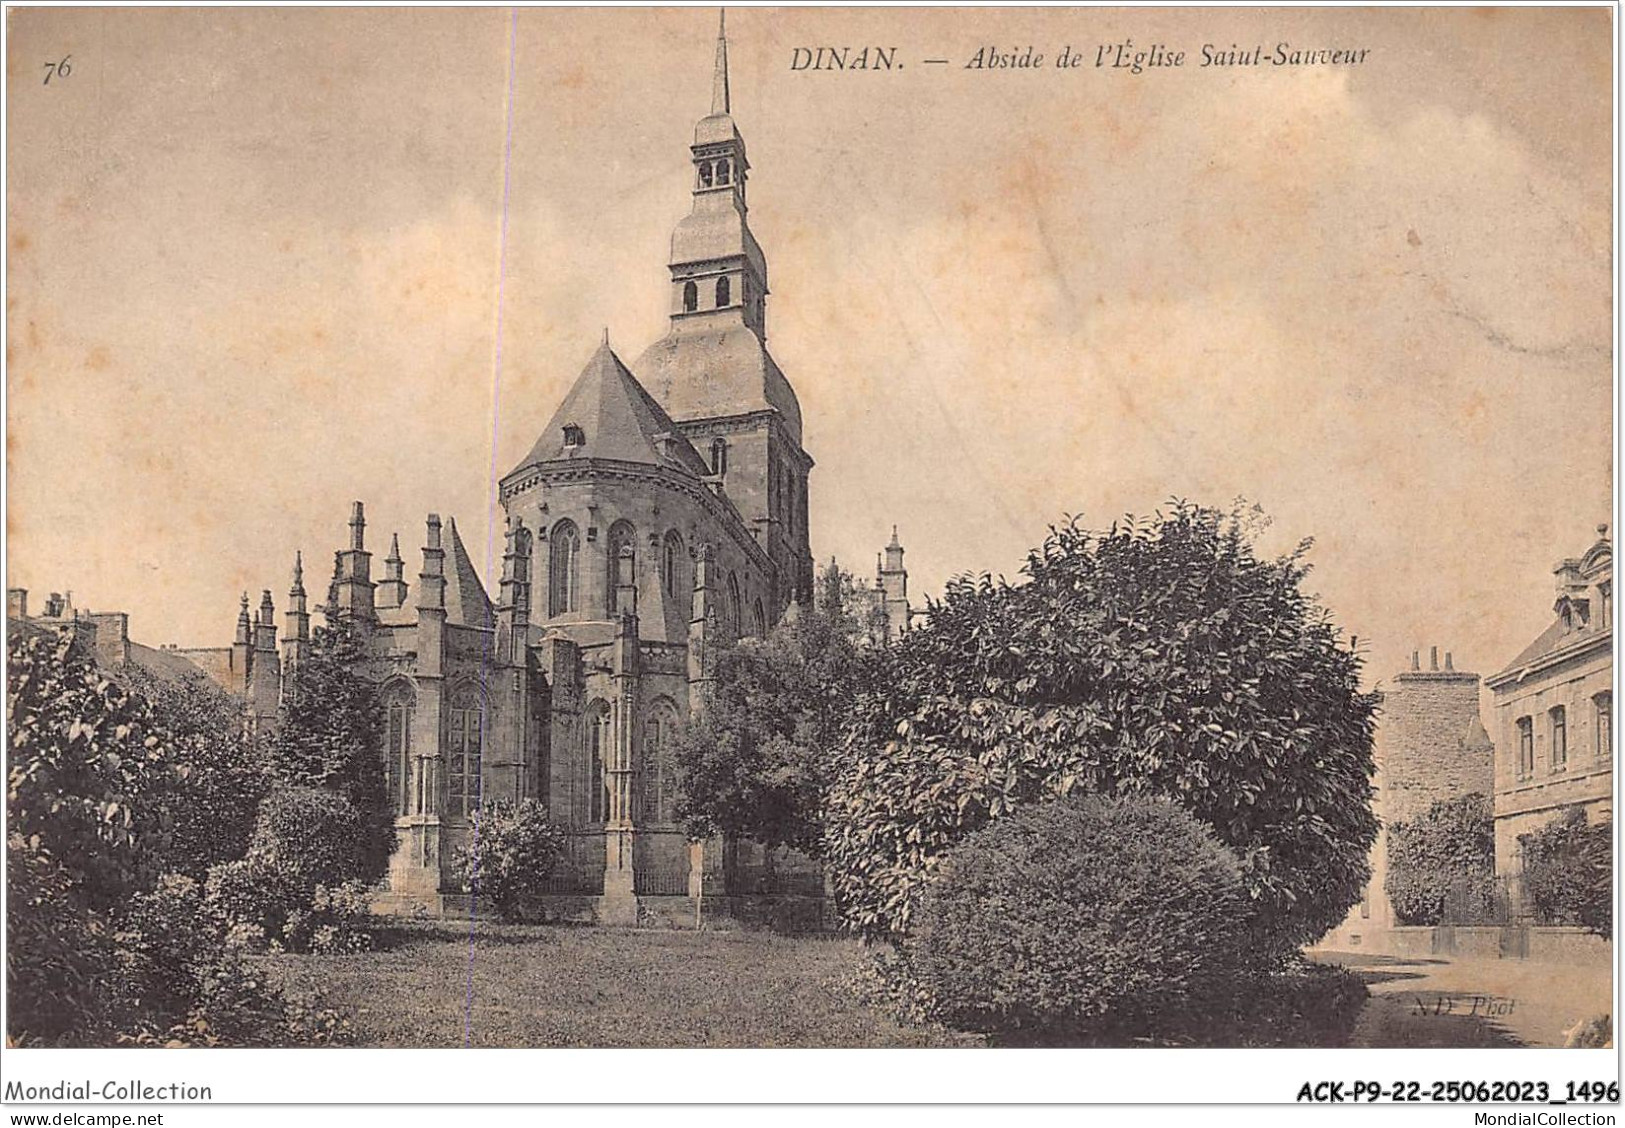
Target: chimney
(16, 603)
(1449, 661)
(1433, 659)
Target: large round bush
(313, 831)
(1085, 920)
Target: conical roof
(615, 418)
(466, 602)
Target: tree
(87, 759)
(219, 771)
(329, 735)
(1161, 655)
(754, 762)
(1568, 868)
(94, 926)
(1443, 857)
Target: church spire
(719, 80)
(718, 272)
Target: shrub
(1443, 857)
(1159, 655)
(263, 903)
(1568, 870)
(220, 773)
(1086, 920)
(509, 861)
(1296, 1003)
(328, 735)
(86, 757)
(312, 832)
(103, 947)
(57, 953)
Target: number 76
(60, 70)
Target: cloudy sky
(254, 255)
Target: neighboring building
(661, 512)
(1554, 710)
(1430, 746)
(105, 635)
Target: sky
(254, 260)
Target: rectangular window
(1526, 747)
(1605, 725)
(1560, 739)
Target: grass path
(564, 986)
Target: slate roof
(466, 602)
(618, 419)
(1552, 640)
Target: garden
(1107, 803)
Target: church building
(660, 514)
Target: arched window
(705, 174)
(691, 297)
(660, 774)
(465, 739)
(758, 620)
(671, 556)
(564, 570)
(719, 456)
(734, 605)
(621, 535)
(722, 172)
(398, 702)
(595, 786)
(722, 291)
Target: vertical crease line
(491, 514)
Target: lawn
(436, 983)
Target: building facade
(660, 514)
(1554, 710)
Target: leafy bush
(219, 772)
(1295, 1003)
(1160, 655)
(755, 762)
(312, 832)
(86, 758)
(57, 953)
(102, 946)
(513, 854)
(1445, 856)
(328, 736)
(1087, 920)
(1568, 869)
(192, 991)
(264, 903)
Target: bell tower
(718, 273)
(712, 371)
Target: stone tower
(712, 372)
